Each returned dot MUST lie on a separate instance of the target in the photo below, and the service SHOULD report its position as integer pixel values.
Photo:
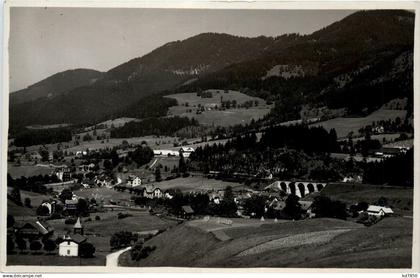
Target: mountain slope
(162, 69)
(56, 85)
(357, 63)
(368, 51)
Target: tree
(10, 244)
(82, 207)
(10, 221)
(28, 202)
(42, 211)
(108, 164)
(66, 194)
(325, 207)
(182, 166)
(227, 206)
(255, 205)
(86, 250)
(21, 244)
(44, 153)
(15, 195)
(293, 208)
(158, 176)
(35, 245)
(121, 239)
(49, 245)
(382, 201)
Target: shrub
(97, 217)
(55, 216)
(70, 221)
(139, 252)
(35, 245)
(10, 244)
(49, 245)
(42, 211)
(86, 250)
(28, 202)
(123, 215)
(121, 239)
(21, 244)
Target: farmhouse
(63, 174)
(186, 151)
(33, 230)
(152, 193)
(379, 211)
(187, 212)
(50, 205)
(165, 153)
(69, 247)
(133, 181)
(70, 205)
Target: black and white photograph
(214, 138)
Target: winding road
(112, 259)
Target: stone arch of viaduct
(298, 188)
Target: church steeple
(78, 228)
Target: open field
(53, 260)
(307, 243)
(19, 211)
(344, 126)
(229, 117)
(104, 194)
(218, 117)
(28, 171)
(193, 100)
(197, 183)
(399, 198)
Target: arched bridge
(298, 188)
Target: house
(35, 156)
(81, 153)
(34, 230)
(186, 151)
(306, 206)
(165, 153)
(63, 173)
(78, 228)
(103, 181)
(69, 247)
(133, 181)
(50, 205)
(151, 192)
(187, 212)
(70, 205)
(379, 211)
(88, 183)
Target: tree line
(153, 126)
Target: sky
(44, 41)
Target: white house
(133, 181)
(69, 247)
(186, 151)
(165, 153)
(151, 192)
(379, 211)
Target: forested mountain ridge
(56, 85)
(357, 63)
(163, 69)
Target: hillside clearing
(343, 126)
(214, 117)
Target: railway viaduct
(298, 188)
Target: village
(72, 200)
